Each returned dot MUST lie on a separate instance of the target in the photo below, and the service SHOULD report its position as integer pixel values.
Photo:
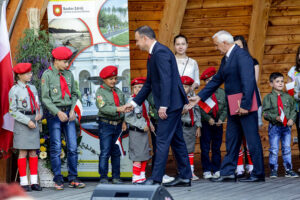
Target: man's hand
(193, 101)
(219, 123)
(211, 121)
(62, 116)
(121, 109)
(146, 128)
(290, 122)
(38, 117)
(198, 132)
(128, 107)
(241, 111)
(162, 112)
(124, 126)
(31, 124)
(72, 115)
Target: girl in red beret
(25, 108)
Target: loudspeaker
(130, 192)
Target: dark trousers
(211, 139)
(236, 126)
(153, 140)
(169, 132)
(108, 135)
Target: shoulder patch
(100, 101)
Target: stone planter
(45, 175)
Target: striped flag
(283, 117)
(207, 105)
(290, 88)
(120, 145)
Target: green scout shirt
(270, 108)
(106, 104)
(222, 103)
(153, 112)
(51, 91)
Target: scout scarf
(63, 85)
(216, 107)
(32, 100)
(115, 95)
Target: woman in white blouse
(186, 65)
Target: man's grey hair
(224, 36)
(147, 31)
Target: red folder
(234, 101)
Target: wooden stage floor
(273, 189)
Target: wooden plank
(145, 15)
(10, 11)
(169, 28)
(133, 25)
(284, 11)
(283, 67)
(145, 6)
(216, 22)
(284, 20)
(209, 32)
(284, 30)
(283, 39)
(218, 12)
(258, 28)
(281, 49)
(198, 4)
(284, 3)
(279, 59)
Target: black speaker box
(130, 192)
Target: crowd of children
(59, 97)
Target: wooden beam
(171, 21)
(10, 11)
(258, 29)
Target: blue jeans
(55, 128)
(277, 133)
(108, 135)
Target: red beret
(140, 80)
(186, 80)
(62, 53)
(22, 68)
(209, 72)
(108, 71)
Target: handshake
(125, 108)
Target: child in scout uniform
(23, 106)
(191, 123)
(212, 129)
(110, 101)
(278, 109)
(59, 97)
(139, 127)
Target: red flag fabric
(6, 82)
(216, 107)
(280, 110)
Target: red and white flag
(78, 109)
(120, 145)
(283, 117)
(290, 88)
(6, 82)
(207, 105)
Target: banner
(97, 33)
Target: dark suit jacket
(238, 75)
(163, 80)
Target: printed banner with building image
(97, 32)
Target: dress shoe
(252, 179)
(178, 182)
(27, 188)
(230, 178)
(243, 175)
(117, 181)
(151, 182)
(36, 187)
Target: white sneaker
(167, 179)
(216, 174)
(195, 178)
(207, 175)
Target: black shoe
(230, 178)
(151, 182)
(27, 188)
(243, 175)
(252, 179)
(103, 181)
(36, 187)
(117, 181)
(178, 182)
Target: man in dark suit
(237, 72)
(164, 81)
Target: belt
(115, 123)
(133, 128)
(26, 112)
(186, 124)
(64, 108)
